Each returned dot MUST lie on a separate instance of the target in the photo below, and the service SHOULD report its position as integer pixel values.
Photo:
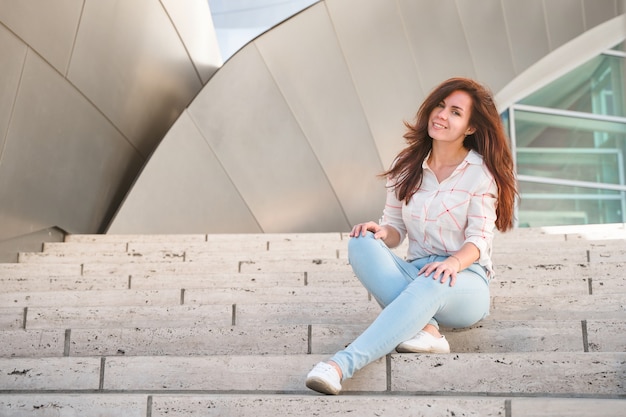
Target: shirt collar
(472, 157)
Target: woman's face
(449, 120)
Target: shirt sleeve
(392, 213)
(481, 220)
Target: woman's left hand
(441, 270)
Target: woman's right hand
(361, 229)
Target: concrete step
(557, 279)
(12, 318)
(523, 373)
(485, 337)
(221, 237)
(559, 307)
(264, 243)
(563, 373)
(173, 296)
(539, 280)
(102, 257)
(160, 238)
(272, 243)
(156, 281)
(40, 404)
(165, 297)
(121, 316)
(167, 255)
(42, 283)
(575, 251)
(292, 309)
(381, 405)
(563, 256)
(553, 233)
(190, 315)
(299, 405)
(544, 296)
(19, 271)
(196, 325)
(90, 248)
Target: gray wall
(289, 134)
(88, 89)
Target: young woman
(447, 192)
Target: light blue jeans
(409, 301)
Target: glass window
(595, 87)
(570, 146)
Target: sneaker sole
(320, 385)
(407, 349)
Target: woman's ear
(470, 131)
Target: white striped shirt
(441, 217)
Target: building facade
(120, 117)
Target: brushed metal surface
(192, 20)
(252, 131)
(13, 54)
(184, 189)
(382, 67)
(480, 21)
(49, 27)
(565, 21)
(130, 62)
(527, 31)
(63, 162)
(435, 31)
(306, 62)
(599, 11)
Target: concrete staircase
(229, 325)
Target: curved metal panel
(13, 54)
(304, 58)
(63, 162)
(184, 189)
(565, 21)
(435, 31)
(485, 30)
(599, 11)
(192, 19)
(49, 27)
(293, 115)
(527, 32)
(247, 123)
(382, 68)
(130, 62)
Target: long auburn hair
(488, 139)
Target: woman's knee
(357, 246)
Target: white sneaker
(424, 342)
(324, 378)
